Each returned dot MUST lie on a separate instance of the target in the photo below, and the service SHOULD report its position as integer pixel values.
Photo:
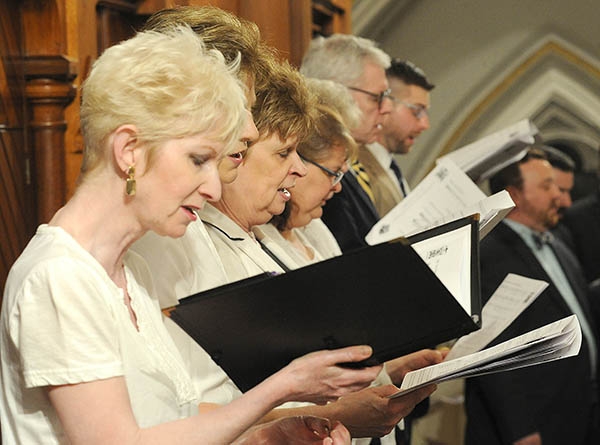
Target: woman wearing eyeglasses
(266, 179)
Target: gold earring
(130, 186)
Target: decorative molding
(550, 48)
(48, 90)
(59, 67)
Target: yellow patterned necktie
(363, 178)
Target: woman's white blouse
(64, 321)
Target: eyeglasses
(379, 97)
(336, 177)
(418, 111)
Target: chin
(175, 231)
(277, 207)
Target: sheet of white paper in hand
(448, 256)
(440, 197)
(553, 341)
(514, 294)
(482, 158)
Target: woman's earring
(130, 183)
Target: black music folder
(385, 296)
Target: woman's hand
(297, 430)
(318, 378)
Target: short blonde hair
(166, 84)
(284, 105)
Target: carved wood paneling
(49, 90)
(16, 200)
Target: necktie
(363, 178)
(541, 238)
(394, 167)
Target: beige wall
(469, 47)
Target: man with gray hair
(360, 65)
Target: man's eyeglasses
(336, 177)
(379, 97)
(418, 111)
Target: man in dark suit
(553, 403)
(358, 64)
(583, 222)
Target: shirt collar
(380, 153)
(526, 233)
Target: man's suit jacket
(350, 214)
(385, 191)
(583, 221)
(554, 399)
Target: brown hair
(510, 176)
(231, 35)
(284, 106)
(329, 130)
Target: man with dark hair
(564, 174)
(407, 120)
(553, 403)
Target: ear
(125, 146)
(515, 194)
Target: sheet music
(500, 147)
(512, 297)
(440, 197)
(448, 255)
(553, 341)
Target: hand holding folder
(384, 296)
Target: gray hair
(341, 57)
(336, 96)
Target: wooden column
(48, 89)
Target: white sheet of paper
(440, 197)
(511, 298)
(470, 156)
(449, 257)
(553, 341)
(492, 210)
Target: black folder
(384, 296)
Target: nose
(337, 188)
(424, 122)
(569, 201)
(298, 167)
(250, 132)
(210, 189)
(566, 200)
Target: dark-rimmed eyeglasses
(417, 110)
(336, 177)
(379, 97)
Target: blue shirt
(547, 259)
